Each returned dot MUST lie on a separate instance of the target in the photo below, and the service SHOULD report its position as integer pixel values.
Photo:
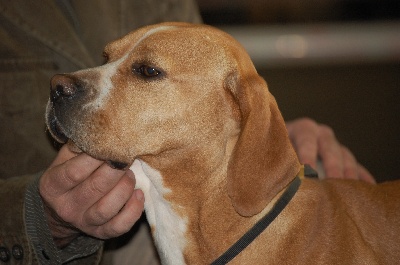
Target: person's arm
(314, 142)
(77, 202)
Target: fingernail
(139, 195)
(130, 174)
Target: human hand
(85, 195)
(313, 141)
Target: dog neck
(190, 211)
(167, 226)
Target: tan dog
(184, 104)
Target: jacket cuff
(82, 250)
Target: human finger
(364, 174)
(350, 165)
(124, 220)
(110, 204)
(99, 183)
(64, 154)
(61, 178)
(330, 152)
(303, 134)
(72, 205)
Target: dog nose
(62, 86)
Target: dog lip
(56, 130)
(116, 164)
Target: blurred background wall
(336, 61)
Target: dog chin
(112, 163)
(73, 147)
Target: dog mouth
(56, 130)
(117, 165)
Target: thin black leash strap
(260, 226)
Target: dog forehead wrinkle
(151, 32)
(185, 49)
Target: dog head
(178, 90)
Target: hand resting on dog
(85, 195)
(313, 141)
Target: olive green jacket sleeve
(26, 238)
(82, 250)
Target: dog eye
(146, 71)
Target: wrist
(62, 232)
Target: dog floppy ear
(263, 161)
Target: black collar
(261, 225)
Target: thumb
(63, 155)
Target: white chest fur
(169, 228)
